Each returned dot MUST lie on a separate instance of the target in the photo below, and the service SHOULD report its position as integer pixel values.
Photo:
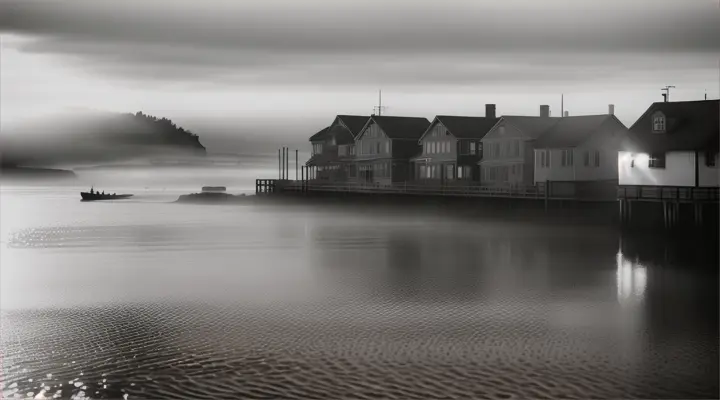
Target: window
(467, 172)
(501, 130)
(425, 147)
(472, 148)
(387, 147)
(460, 172)
(449, 169)
(597, 158)
(480, 148)
(422, 171)
(656, 161)
(544, 158)
(658, 123)
(586, 158)
(566, 158)
(432, 147)
(496, 153)
(710, 159)
(377, 148)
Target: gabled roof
(320, 135)
(465, 127)
(400, 127)
(533, 127)
(572, 131)
(690, 126)
(354, 123)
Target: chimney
(567, 113)
(489, 110)
(664, 98)
(611, 109)
(544, 111)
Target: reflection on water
(151, 300)
(631, 280)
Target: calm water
(146, 299)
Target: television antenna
(378, 109)
(666, 95)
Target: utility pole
(562, 105)
(296, 164)
(666, 95)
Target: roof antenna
(666, 95)
(379, 108)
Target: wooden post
(296, 164)
(279, 166)
(547, 194)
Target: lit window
(460, 172)
(387, 147)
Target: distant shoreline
(36, 173)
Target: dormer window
(658, 123)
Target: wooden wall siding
(439, 143)
(373, 142)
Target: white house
(673, 144)
(580, 152)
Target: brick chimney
(611, 109)
(544, 111)
(490, 111)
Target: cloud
(405, 42)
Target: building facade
(579, 154)
(384, 147)
(508, 150)
(451, 149)
(333, 149)
(673, 144)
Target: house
(508, 149)
(333, 148)
(673, 144)
(451, 148)
(578, 155)
(384, 147)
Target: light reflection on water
(145, 299)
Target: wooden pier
(537, 193)
(672, 200)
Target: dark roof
(572, 131)
(531, 126)
(691, 126)
(341, 134)
(467, 127)
(354, 122)
(402, 127)
(320, 135)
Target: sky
(277, 71)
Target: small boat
(93, 195)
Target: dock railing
(668, 193)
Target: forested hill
(98, 137)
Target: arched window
(658, 122)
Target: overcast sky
(281, 67)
